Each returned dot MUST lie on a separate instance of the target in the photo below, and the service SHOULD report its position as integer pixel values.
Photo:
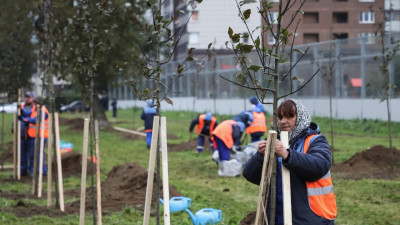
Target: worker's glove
(19, 117)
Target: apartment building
(339, 19)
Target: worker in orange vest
(28, 133)
(226, 138)
(206, 124)
(258, 127)
(308, 158)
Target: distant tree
(17, 45)
(389, 49)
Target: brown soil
(7, 154)
(71, 163)
(74, 124)
(125, 186)
(249, 219)
(371, 163)
(188, 145)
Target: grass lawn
(367, 202)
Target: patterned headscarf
(303, 120)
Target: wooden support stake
(15, 151)
(286, 195)
(41, 156)
(49, 160)
(150, 173)
(84, 171)
(19, 137)
(163, 136)
(59, 167)
(98, 178)
(265, 183)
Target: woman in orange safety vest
(309, 160)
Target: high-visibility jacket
(32, 126)
(321, 198)
(201, 124)
(259, 123)
(224, 132)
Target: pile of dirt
(125, 186)
(188, 145)
(374, 162)
(249, 219)
(129, 136)
(7, 154)
(73, 124)
(71, 163)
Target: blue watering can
(177, 204)
(204, 216)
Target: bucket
(208, 216)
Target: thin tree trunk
(390, 132)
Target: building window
(311, 17)
(271, 39)
(273, 17)
(195, 16)
(341, 0)
(366, 0)
(310, 37)
(368, 38)
(340, 17)
(367, 17)
(340, 36)
(194, 38)
(245, 37)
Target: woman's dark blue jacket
(303, 167)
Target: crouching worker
(309, 160)
(148, 116)
(206, 124)
(226, 138)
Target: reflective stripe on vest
(321, 198)
(201, 124)
(32, 126)
(224, 132)
(258, 125)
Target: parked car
(9, 108)
(75, 106)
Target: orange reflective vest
(32, 126)
(321, 198)
(224, 132)
(201, 124)
(259, 123)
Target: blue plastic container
(208, 216)
(177, 204)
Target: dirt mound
(125, 186)
(71, 163)
(371, 163)
(249, 219)
(7, 154)
(129, 136)
(74, 124)
(188, 145)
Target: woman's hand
(280, 150)
(261, 147)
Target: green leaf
(235, 38)
(247, 13)
(190, 58)
(246, 48)
(255, 68)
(298, 78)
(230, 32)
(209, 46)
(191, 51)
(298, 50)
(257, 42)
(199, 1)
